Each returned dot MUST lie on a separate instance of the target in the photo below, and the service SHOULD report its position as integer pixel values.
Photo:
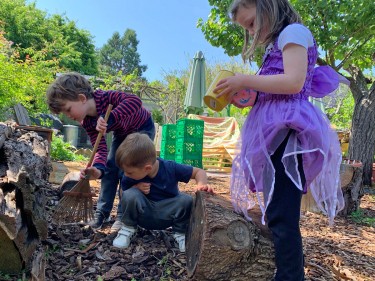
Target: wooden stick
(99, 137)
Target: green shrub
(360, 218)
(157, 116)
(64, 151)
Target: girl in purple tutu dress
(287, 145)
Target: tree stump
(24, 172)
(352, 189)
(223, 245)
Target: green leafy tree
(73, 46)
(23, 81)
(345, 31)
(121, 54)
(56, 37)
(340, 111)
(23, 24)
(157, 116)
(164, 97)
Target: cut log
(69, 181)
(223, 245)
(351, 185)
(352, 189)
(8, 247)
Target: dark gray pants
(137, 209)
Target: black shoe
(98, 221)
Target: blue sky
(166, 29)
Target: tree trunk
(24, 172)
(222, 245)
(362, 138)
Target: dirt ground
(345, 251)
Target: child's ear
(82, 98)
(148, 168)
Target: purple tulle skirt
(267, 125)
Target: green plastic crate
(194, 161)
(168, 149)
(189, 147)
(190, 128)
(168, 142)
(169, 132)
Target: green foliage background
(34, 47)
(120, 54)
(63, 151)
(23, 81)
(37, 35)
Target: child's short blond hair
(65, 88)
(137, 150)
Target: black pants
(283, 216)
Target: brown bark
(362, 138)
(223, 245)
(24, 172)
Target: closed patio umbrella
(193, 103)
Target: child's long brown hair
(276, 14)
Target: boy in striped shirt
(72, 95)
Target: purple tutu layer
(270, 121)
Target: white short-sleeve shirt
(297, 34)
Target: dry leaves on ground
(75, 252)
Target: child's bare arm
(200, 177)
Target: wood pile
(24, 171)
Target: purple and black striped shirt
(127, 116)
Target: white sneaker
(180, 239)
(124, 237)
(116, 226)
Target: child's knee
(186, 201)
(131, 195)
